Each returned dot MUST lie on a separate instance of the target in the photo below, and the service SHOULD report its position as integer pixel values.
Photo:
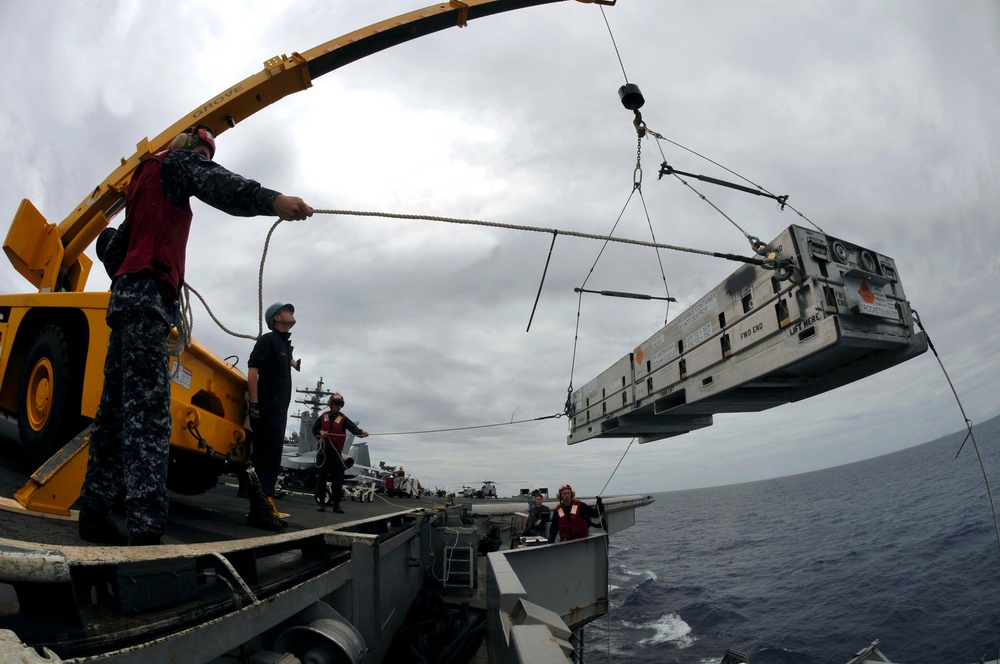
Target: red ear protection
(193, 136)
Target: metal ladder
(459, 565)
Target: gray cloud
(877, 119)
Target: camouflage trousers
(130, 439)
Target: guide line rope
(476, 426)
(970, 435)
(753, 260)
(251, 337)
(260, 279)
(185, 317)
(185, 320)
(554, 231)
(601, 493)
(539, 229)
(968, 425)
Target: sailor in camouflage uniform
(130, 439)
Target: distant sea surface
(811, 568)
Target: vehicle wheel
(191, 474)
(329, 496)
(48, 397)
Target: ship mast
(316, 400)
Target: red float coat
(572, 522)
(337, 427)
(158, 231)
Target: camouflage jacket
(184, 174)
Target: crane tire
(48, 396)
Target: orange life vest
(572, 524)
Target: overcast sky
(878, 119)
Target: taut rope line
(537, 229)
(968, 425)
(185, 340)
(475, 426)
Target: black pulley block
(631, 96)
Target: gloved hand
(254, 412)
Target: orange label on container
(866, 293)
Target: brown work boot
(263, 512)
(275, 513)
(265, 521)
(100, 530)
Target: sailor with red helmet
(330, 428)
(571, 517)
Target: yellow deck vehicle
(53, 341)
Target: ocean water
(811, 568)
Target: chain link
(637, 173)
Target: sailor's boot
(262, 514)
(100, 529)
(275, 513)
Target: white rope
(185, 321)
(252, 337)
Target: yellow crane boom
(53, 342)
(52, 259)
